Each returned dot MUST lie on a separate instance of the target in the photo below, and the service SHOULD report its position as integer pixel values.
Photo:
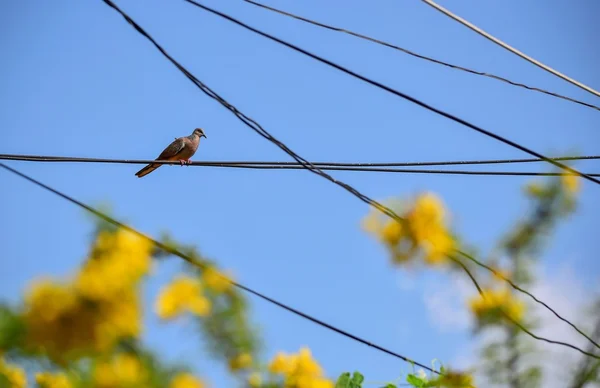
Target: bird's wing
(172, 149)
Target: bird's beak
(203, 135)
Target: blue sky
(77, 80)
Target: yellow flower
(299, 370)
(186, 380)
(391, 232)
(48, 300)
(183, 294)
(216, 280)
(571, 183)
(281, 364)
(122, 370)
(452, 379)
(494, 300)
(437, 247)
(117, 262)
(254, 380)
(15, 375)
(426, 216)
(241, 361)
(52, 380)
(305, 365)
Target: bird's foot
(189, 162)
(182, 162)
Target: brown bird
(182, 149)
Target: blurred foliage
(84, 331)
(425, 238)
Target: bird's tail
(147, 170)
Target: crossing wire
(417, 55)
(306, 164)
(193, 262)
(259, 165)
(394, 91)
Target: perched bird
(182, 149)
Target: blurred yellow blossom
(64, 324)
(123, 370)
(281, 364)
(52, 380)
(423, 228)
(299, 370)
(184, 294)
(216, 280)
(452, 379)
(391, 232)
(118, 260)
(241, 361)
(495, 300)
(570, 182)
(186, 380)
(15, 375)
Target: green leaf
(357, 380)
(343, 381)
(414, 380)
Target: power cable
(261, 131)
(193, 262)
(258, 165)
(274, 301)
(394, 91)
(420, 56)
(509, 48)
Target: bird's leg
(189, 161)
(181, 161)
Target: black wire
(518, 324)
(253, 124)
(262, 132)
(343, 164)
(195, 263)
(394, 91)
(406, 51)
(364, 167)
(516, 287)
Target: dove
(182, 149)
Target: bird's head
(198, 132)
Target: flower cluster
(121, 370)
(183, 294)
(52, 380)
(12, 374)
(422, 232)
(98, 308)
(495, 304)
(299, 370)
(186, 380)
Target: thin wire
(516, 287)
(361, 167)
(45, 158)
(253, 124)
(261, 131)
(509, 48)
(394, 91)
(518, 324)
(406, 51)
(202, 266)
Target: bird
(182, 149)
